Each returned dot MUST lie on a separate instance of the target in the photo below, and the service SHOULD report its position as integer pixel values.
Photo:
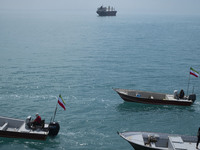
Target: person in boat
(181, 94)
(198, 136)
(36, 122)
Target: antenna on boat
(188, 84)
(61, 102)
(55, 111)
(194, 73)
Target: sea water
(82, 57)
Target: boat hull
(10, 134)
(16, 128)
(139, 147)
(106, 13)
(130, 98)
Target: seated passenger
(36, 122)
(181, 94)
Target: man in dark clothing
(181, 94)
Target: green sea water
(82, 57)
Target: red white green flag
(61, 102)
(194, 72)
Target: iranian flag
(194, 72)
(61, 102)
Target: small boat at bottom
(156, 98)
(159, 141)
(16, 128)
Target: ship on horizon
(106, 11)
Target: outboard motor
(192, 97)
(175, 94)
(54, 128)
(28, 120)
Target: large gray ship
(106, 11)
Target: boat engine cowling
(175, 94)
(28, 119)
(192, 97)
(54, 128)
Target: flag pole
(55, 111)
(188, 84)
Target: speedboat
(155, 98)
(17, 128)
(159, 141)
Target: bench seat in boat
(4, 127)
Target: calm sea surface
(83, 56)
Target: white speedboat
(16, 128)
(155, 98)
(159, 141)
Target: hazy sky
(130, 6)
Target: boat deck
(178, 143)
